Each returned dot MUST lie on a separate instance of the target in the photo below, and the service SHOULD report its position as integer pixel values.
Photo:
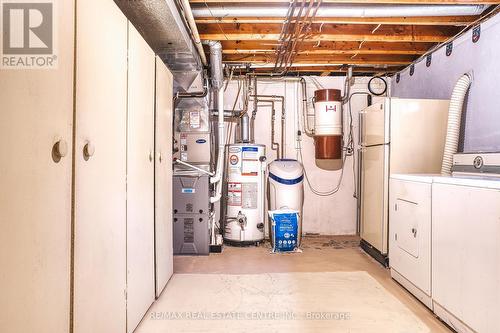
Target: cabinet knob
(150, 156)
(160, 158)
(60, 148)
(88, 150)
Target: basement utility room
(249, 166)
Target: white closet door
(36, 111)
(140, 179)
(163, 176)
(100, 169)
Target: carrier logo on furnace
(28, 34)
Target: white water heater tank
(245, 213)
(286, 187)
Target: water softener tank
(286, 187)
(245, 213)
(328, 124)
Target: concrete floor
(320, 254)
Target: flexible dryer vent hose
(454, 121)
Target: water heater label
(188, 190)
(249, 195)
(234, 194)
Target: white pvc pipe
(338, 10)
(454, 121)
(220, 163)
(194, 167)
(192, 25)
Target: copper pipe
(272, 99)
(298, 31)
(294, 20)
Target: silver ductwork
(216, 64)
(338, 10)
(218, 92)
(163, 27)
(245, 128)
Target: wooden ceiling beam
(428, 20)
(334, 69)
(417, 2)
(323, 59)
(330, 32)
(325, 52)
(326, 47)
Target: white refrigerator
(396, 136)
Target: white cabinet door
(410, 231)
(406, 212)
(163, 176)
(36, 111)
(100, 162)
(140, 179)
(466, 254)
(374, 196)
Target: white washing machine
(466, 253)
(444, 241)
(410, 221)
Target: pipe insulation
(454, 121)
(339, 10)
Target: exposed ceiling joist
(418, 2)
(426, 20)
(337, 69)
(323, 59)
(327, 47)
(331, 32)
(374, 35)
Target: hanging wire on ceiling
(218, 24)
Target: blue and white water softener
(286, 188)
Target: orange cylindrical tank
(328, 124)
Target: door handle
(88, 150)
(60, 149)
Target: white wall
(333, 215)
